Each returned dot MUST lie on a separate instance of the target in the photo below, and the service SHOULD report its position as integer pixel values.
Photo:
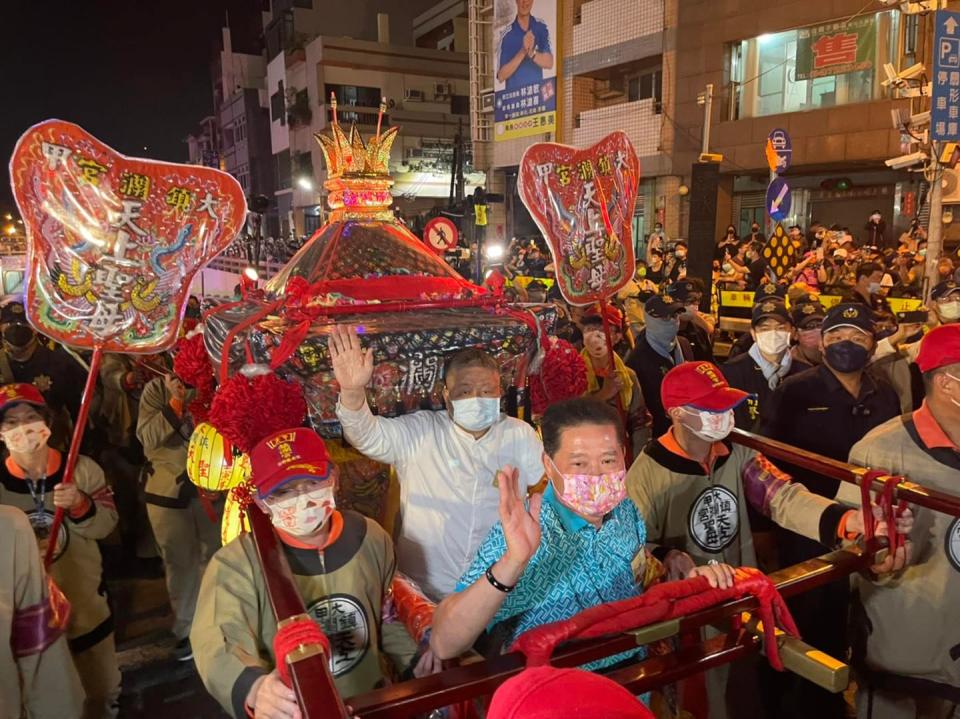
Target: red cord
(888, 512)
(669, 600)
(291, 637)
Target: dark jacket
(650, 367)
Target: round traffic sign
(440, 235)
(779, 200)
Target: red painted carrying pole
(313, 684)
(78, 429)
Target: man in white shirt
(446, 460)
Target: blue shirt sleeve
(541, 34)
(508, 46)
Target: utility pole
(935, 231)
(706, 99)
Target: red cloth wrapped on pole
(661, 602)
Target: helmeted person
(342, 564)
(37, 677)
(186, 533)
(445, 460)
(907, 636)
(31, 480)
(693, 486)
(580, 544)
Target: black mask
(846, 356)
(914, 338)
(18, 335)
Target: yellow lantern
(213, 463)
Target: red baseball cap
(284, 456)
(700, 385)
(552, 693)
(20, 393)
(939, 347)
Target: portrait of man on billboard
(525, 50)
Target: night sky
(134, 73)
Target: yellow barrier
(524, 280)
(741, 298)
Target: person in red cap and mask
(908, 651)
(342, 564)
(692, 487)
(31, 479)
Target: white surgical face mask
(874, 288)
(773, 342)
(27, 438)
(949, 311)
(476, 413)
(304, 513)
(714, 426)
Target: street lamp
(11, 230)
(8, 217)
(305, 184)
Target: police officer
(694, 326)
(807, 318)
(769, 290)
(57, 375)
(768, 361)
(827, 409)
(658, 350)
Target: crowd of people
(506, 527)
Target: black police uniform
(813, 411)
(743, 372)
(696, 335)
(651, 366)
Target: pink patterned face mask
(593, 494)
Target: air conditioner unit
(486, 102)
(443, 89)
(951, 187)
(414, 95)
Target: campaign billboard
(525, 67)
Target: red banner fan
(112, 245)
(114, 241)
(582, 201)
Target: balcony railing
(638, 119)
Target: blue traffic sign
(945, 109)
(783, 146)
(779, 200)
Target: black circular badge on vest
(343, 620)
(714, 520)
(952, 544)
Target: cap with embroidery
(804, 312)
(681, 290)
(770, 289)
(13, 312)
(943, 289)
(849, 314)
(700, 385)
(21, 393)
(769, 309)
(288, 455)
(940, 347)
(661, 308)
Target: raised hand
(521, 526)
(352, 365)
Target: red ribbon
(292, 636)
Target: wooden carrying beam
(481, 678)
(310, 673)
(910, 491)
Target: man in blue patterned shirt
(577, 546)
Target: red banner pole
(78, 429)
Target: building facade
(815, 70)
(426, 93)
(615, 65)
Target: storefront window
(832, 63)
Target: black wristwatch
(496, 584)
